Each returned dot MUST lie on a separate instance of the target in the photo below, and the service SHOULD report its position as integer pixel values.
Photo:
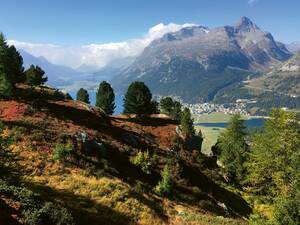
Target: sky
(74, 32)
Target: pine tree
(11, 63)
(187, 123)
(105, 98)
(233, 148)
(166, 105)
(35, 76)
(83, 95)
(138, 99)
(5, 87)
(176, 111)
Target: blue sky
(96, 32)
(78, 22)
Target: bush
(164, 186)
(287, 211)
(144, 161)
(49, 214)
(62, 151)
(33, 211)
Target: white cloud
(97, 54)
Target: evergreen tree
(16, 69)
(83, 95)
(274, 161)
(11, 68)
(35, 76)
(233, 147)
(165, 185)
(166, 105)
(187, 123)
(176, 112)
(105, 98)
(154, 107)
(171, 108)
(5, 87)
(138, 99)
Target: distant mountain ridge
(294, 46)
(284, 79)
(71, 79)
(197, 62)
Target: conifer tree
(138, 99)
(11, 67)
(35, 76)
(187, 123)
(83, 95)
(105, 98)
(233, 148)
(274, 163)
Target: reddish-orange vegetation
(64, 116)
(12, 110)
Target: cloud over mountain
(97, 54)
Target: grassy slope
(106, 190)
(210, 133)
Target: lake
(250, 123)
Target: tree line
(12, 70)
(138, 100)
(265, 165)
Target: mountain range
(196, 63)
(71, 79)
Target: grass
(212, 118)
(211, 135)
(192, 218)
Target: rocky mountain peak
(245, 24)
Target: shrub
(33, 211)
(61, 151)
(144, 161)
(287, 211)
(164, 186)
(49, 214)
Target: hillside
(96, 181)
(196, 63)
(283, 79)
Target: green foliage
(287, 211)
(257, 219)
(171, 108)
(154, 107)
(33, 210)
(35, 76)
(49, 213)
(233, 148)
(145, 161)
(83, 95)
(105, 98)
(11, 68)
(62, 151)
(275, 154)
(138, 99)
(187, 123)
(166, 105)
(6, 89)
(165, 185)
